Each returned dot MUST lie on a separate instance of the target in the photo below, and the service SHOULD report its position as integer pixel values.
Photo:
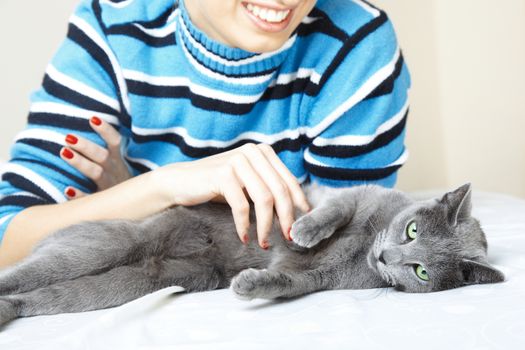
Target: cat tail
(8, 311)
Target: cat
(361, 237)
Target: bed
(476, 317)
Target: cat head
(434, 245)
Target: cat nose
(381, 258)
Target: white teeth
(268, 15)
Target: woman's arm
(250, 172)
(132, 199)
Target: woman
(151, 104)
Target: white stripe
(191, 141)
(374, 12)
(282, 79)
(117, 5)
(195, 88)
(249, 60)
(158, 32)
(147, 163)
(369, 86)
(38, 180)
(310, 159)
(309, 20)
(5, 219)
(302, 73)
(25, 194)
(41, 134)
(359, 140)
(241, 81)
(68, 111)
(93, 35)
(81, 88)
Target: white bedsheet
(476, 317)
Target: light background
(467, 59)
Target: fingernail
(71, 192)
(71, 139)
(265, 245)
(96, 121)
(245, 239)
(289, 237)
(67, 153)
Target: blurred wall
(468, 99)
(467, 60)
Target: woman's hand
(249, 172)
(104, 166)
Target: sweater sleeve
(356, 123)
(81, 81)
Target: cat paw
(306, 232)
(248, 284)
(7, 312)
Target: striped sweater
(332, 101)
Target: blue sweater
(332, 101)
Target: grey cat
(361, 237)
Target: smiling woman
(153, 104)
(256, 26)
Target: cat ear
(458, 203)
(474, 272)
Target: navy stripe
(25, 185)
(66, 94)
(84, 41)
(323, 25)
(86, 183)
(59, 121)
(206, 103)
(22, 201)
(44, 145)
(62, 121)
(129, 29)
(347, 47)
(350, 174)
(338, 151)
(201, 152)
(136, 33)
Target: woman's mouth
(268, 19)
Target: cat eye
(411, 230)
(421, 273)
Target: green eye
(412, 230)
(422, 273)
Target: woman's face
(252, 25)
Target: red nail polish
(71, 139)
(245, 239)
(96, 121)
(265, 245)
(289, 237)
(71, 192)
(67, 153)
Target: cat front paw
(306, 232)
(249, 284)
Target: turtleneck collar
(223, 59)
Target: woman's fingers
(87, 167)
(108, 133)
(294, 187)
(88, 149)
(235, 197)
(280, 192)
(104, 166)
(73, 193)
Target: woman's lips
(268, 19)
